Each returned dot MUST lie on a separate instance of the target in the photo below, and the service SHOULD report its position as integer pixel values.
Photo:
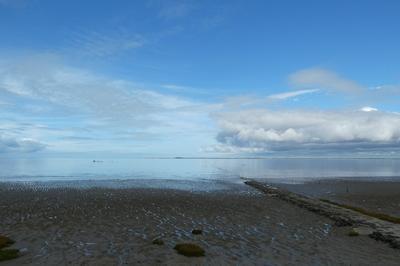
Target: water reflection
(194, 169)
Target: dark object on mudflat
(380, 237)
(5, 242)
(197, 231)
(342, 223)
(8, 254)
(190, 250)
(158, 241)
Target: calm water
(287, 170)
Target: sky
(199, 78)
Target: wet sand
(104, 226)
(374, 195)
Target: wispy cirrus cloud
(105, 44)
(179, 89)
(329, 81)
(45, 77)
(83, 99)
(291, 94)
(319, 78)
(176, 87)
(172, 9)
(14, 3)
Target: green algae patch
(381, 216)
(158, 241)
(8, 254)
(353, 232)
(5, 242)
(190, 250)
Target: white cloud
(290, 94)
(181, 89)
(104, 106)
(174, 87)
(383, 94)
(368, 109)
(228, 149)
(291, 130)
(45, 78)
(77, 98)
(323, 79)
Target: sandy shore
(103, 226)
(382, 197)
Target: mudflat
(118, 226)
(374, 195)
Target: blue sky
(199, 78)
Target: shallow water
(281, 170)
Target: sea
(190, 173)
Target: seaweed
(190, 250)
(5, 242)
(158, 241)
(8, 254)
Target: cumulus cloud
(310, 130)
(323, 79)
(24, 145)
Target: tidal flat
(118, 226)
